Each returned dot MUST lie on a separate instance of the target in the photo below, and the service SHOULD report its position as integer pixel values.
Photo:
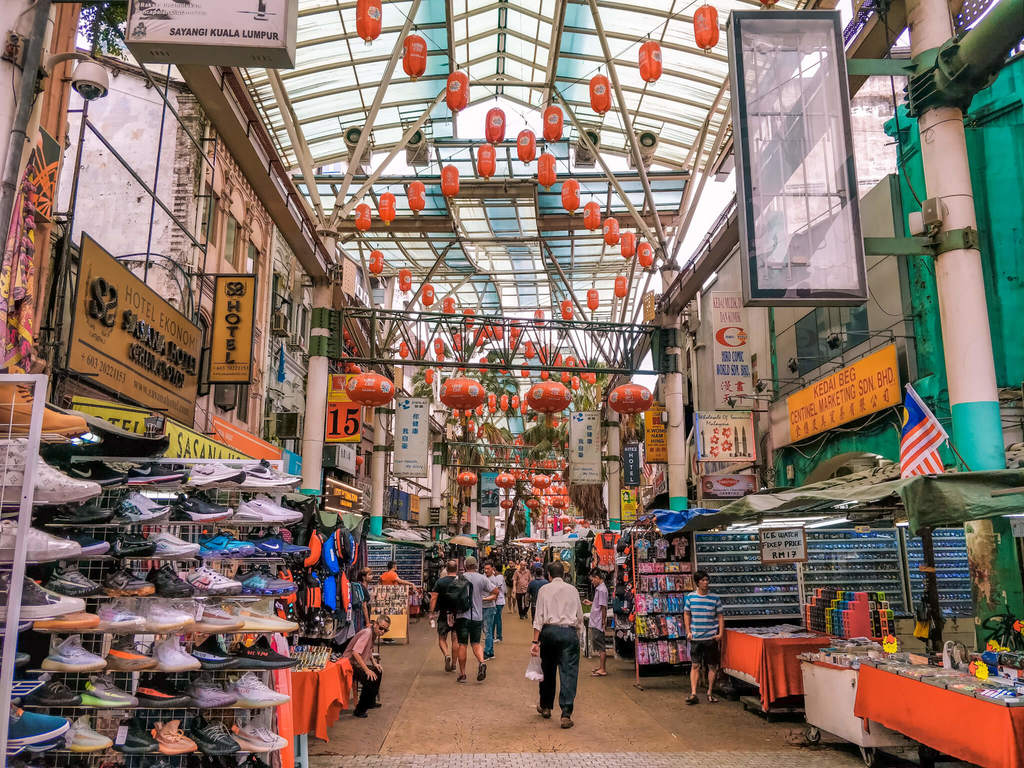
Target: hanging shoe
(16, 415)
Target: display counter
(770, 663)
(319, 696)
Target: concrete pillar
(614, 465)
(378, 469)
(435, 481)
(316, 395)
(675, 429)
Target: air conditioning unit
(297, 341)
(351, 137)
(584, 157)
(417, 151)
(648, 141)
(270, 427)
(330, 456)
(279, 324)
(289, 425)
(225, 397)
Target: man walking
(533, 588)
(445, 615)
(367, 671)
(705, 625)
(556, 640)
(499, 606)
(596, 625)
(490, 608)
(520, 583)
(469, 622)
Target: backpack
(457, 596)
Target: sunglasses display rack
(856, 561)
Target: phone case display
(951, 572)
(663, 575)
(845, 559)
(748, 589)
(849, 614)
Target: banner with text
(629, 505)
(585, 448)
(234, 321)
(655, 435)
(725, 436)
(490, 496)
(631, 465)
(733, 378)
(344, 422)
(412, 432)
(727, 486)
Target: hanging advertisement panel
(725, 436)
(655, 435)
(631, 465)
(344, 422)
(234, 321)
(734, 381)
(727, 486)
(585, 448)
(412, 432)
(490, 496)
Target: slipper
(691, 699)
(598, 673)
(712, 699)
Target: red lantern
(532, 503)
(471, 428)
(450, 181)
(611, 231)
(506, 504)
(427, 294)
(494, 126)
(462, 393)
(630, 398)
(705, 27)
(503, 403)
(592, 215)
(548, 397)
(363, 217)
(528, 350)
(359, 461)
(486, 160)
(448, 305)
(417, 193)
(566, 377)
(439, 346)
(593, 299)
(428, 376)
(566, 309)
(553, 123)
(414, 56)
(479, 410)
(376, 262)
(645, 254)
(526, 146)
(404, 280)
(600, 94)
(370, 389)
(575, 383)
(627, 244)
(620, 287)
(546, 170)
(650, 61)
(570, 195)
(423, 348)
(403, 350)
(504, 480)
(540, 481)
(368, 19)
(386, 208)
(492, 401)
(466, 479)
(457, 93)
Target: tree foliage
(103, 26)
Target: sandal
(691, 699)
(712, 699)
(598, 673)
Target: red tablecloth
(771, 661)
(966, 728)
(319, 696)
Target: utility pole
(613, 463)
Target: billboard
(734, 381)
(233, 325)
(725, 436)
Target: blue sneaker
(222, 547)
(263, 584)
(272, 546)
(33, 728)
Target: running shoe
(261, 509)
(224, 547)
(100, 691)
(263, 584)
(213, 738)
(41, 546)
(253, 693)
(257, 621)
(209, 694)
(97, 472)
(154, 472)
(91, 547)
(54, 693)
(207, 581)
(137, 508)
(70, 656)
(125, 655)
(51, 487)
(272, 546)
(81, 514)
(132, 546)
(262, 476)
(170, 546)
(82, 738)
(162, 618)
(133, 738)
(171, 658)
(155, 693)
(254, 737)
(172, 739)
(212, 655)
(215, 619)
(70, 581)
(27, 728)
(203, 475)
(39, 603)
(260, 655)
(197, 509)
(119, 617)
(69, 622)
(123, 583)
(168, 583)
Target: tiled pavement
(730, 759)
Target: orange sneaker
(16, 413)
(127, 656)
(172, 739)
(71, 622)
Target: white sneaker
(42, 547)
(253, 737)
(171, 658)
(70, 656)
(211, 474)
(207, 581)
(253, 693)
(262, 476)
(162, 618)
(51, 486)
(137, 508)
(119, 618)
(169, 545)
(264, 510)
(82, 738)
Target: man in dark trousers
(556, 640)
(366, 670)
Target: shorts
(596, 640)
(443, 628)
(468, 631)
(705, 653)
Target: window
(230, 237)
(204, 358)
(208, 224)
(252, 258)
(242, 404)
(827, 332)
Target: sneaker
(168, 545)
(132, 546)
(215, 619)
(263, 510)
(133, 738)
(148, 474)
(253, 737)
(91, 547)
(208, 694)
(54, 693)
(253, 693)
(100, 691)
(54, 487)
(172, 739)
(27, 728)
(39, 603)
(41, 547)
(69, 622)
(207, 581)
(263, 584)
(82, 738)
(203, 475)
(198, 509)
(154, 693)
(123, 583)
(70, 656)
(172, 658)
(257, 621)
(81, 514)
(118, 617)
(212, 655)
(125, 655)
(137, 508)
(222, 547)
(70, 581)
(260, 655)
(212, 738)
(97, 472)
(262, 476)
(168, 583)
(16, 402)
(162, 618)
(272, 546)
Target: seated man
(366, 669)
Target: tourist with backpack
(442, 601)
(469, 621)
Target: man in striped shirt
(705, 625)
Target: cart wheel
(870, 756)
(812, 734)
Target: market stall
(768, 657)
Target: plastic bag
(533, 670)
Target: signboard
(244, 441)
(585, 448)
(727, 486)
(346, 459)
(227, 33)
(414, 508)
(127, 338)
(733, 378)
(783, 545)
(344, 423)
(234, 320)
(655, 435)
(725, 436)
(629, 504)
(631, 465)
(490, 496)
(412, 433)
(870, 384)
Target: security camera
(90, 80)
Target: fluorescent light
(824, 523)
(789, 520)
(904, 524)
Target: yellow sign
(234, 318)
(655, 436)
(344, 418)
(414, 508)
(629, 502)
(127, 338)
(649, 308)
(870, 384)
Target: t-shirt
(440, 586)
(497, 580)
(481, 585)
(704, 611)
(361, 644)
(534, 587)
(389, 577)
(600, 602)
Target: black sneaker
(148, 474)
(168, 583)
(114, 442)
(91, 547)
(54, 693)
(81, 514)
(98, 472)
(70, 581)
(198, 509)
(212, 738)
(212, 655)
(261, 656)
(137, 741)
(154, 693)
(130, 545)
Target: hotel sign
(234, 320)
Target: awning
(399, 542)
(244, 441)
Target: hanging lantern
(570, 195)
(506, 504)
(592, 215)
(466, 479)
(494, 125)
(532, 503)
(486, 160)
(600, 94)
(414, 56)
(593, 299)
(497, 332)
(650, 61)
(386, 208)
(370, 389)
(566, 377)
(423, 348)
(457, 342)
(514, 402)
(528, 350)
(621, 287)
(566, 307)
(439, 346)
(417, 194)
(548, 397)
(479, 411)
(630, 398)
(575, 383)
(376, 265)
(363, 217)
(540, 481)
(404, 280)
(492, 401)
(553, 123)
(526, 146)
(705, 27)
(544, 375)
(448, 305)
(503, 403)
(427, 295)
(403, 350)
(611, 231)
(471, 428)
(359, 460)
(450, 181)
(627, 244)
(505, 480)
(368, 19)
(645, 254)
(538, 315)
(456, 95)
(428, 376)
(462, 393)
(546, 170)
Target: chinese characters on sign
(629, 504)
(727, 486)
(733, 378)
(585, 448)
(783, 545)
(725, 436)
(412, 432)
(655, 436)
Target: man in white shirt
(556, 640)
(598, 617)
(490, 608)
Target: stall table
(319, 696)
(770, 663)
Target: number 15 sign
(344, 417)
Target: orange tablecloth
(966, 728)
(319, 696)
(771, 661)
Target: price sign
(344, 422)
(783, 545)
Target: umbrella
(462, 541)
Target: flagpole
(954, 450)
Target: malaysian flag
(921, 437)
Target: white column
(675, 431)
(378, 470)
(614, 466)
(316, 398)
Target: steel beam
(298, 139)
(558, 21)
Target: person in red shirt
(390, 576)
(366, 669)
